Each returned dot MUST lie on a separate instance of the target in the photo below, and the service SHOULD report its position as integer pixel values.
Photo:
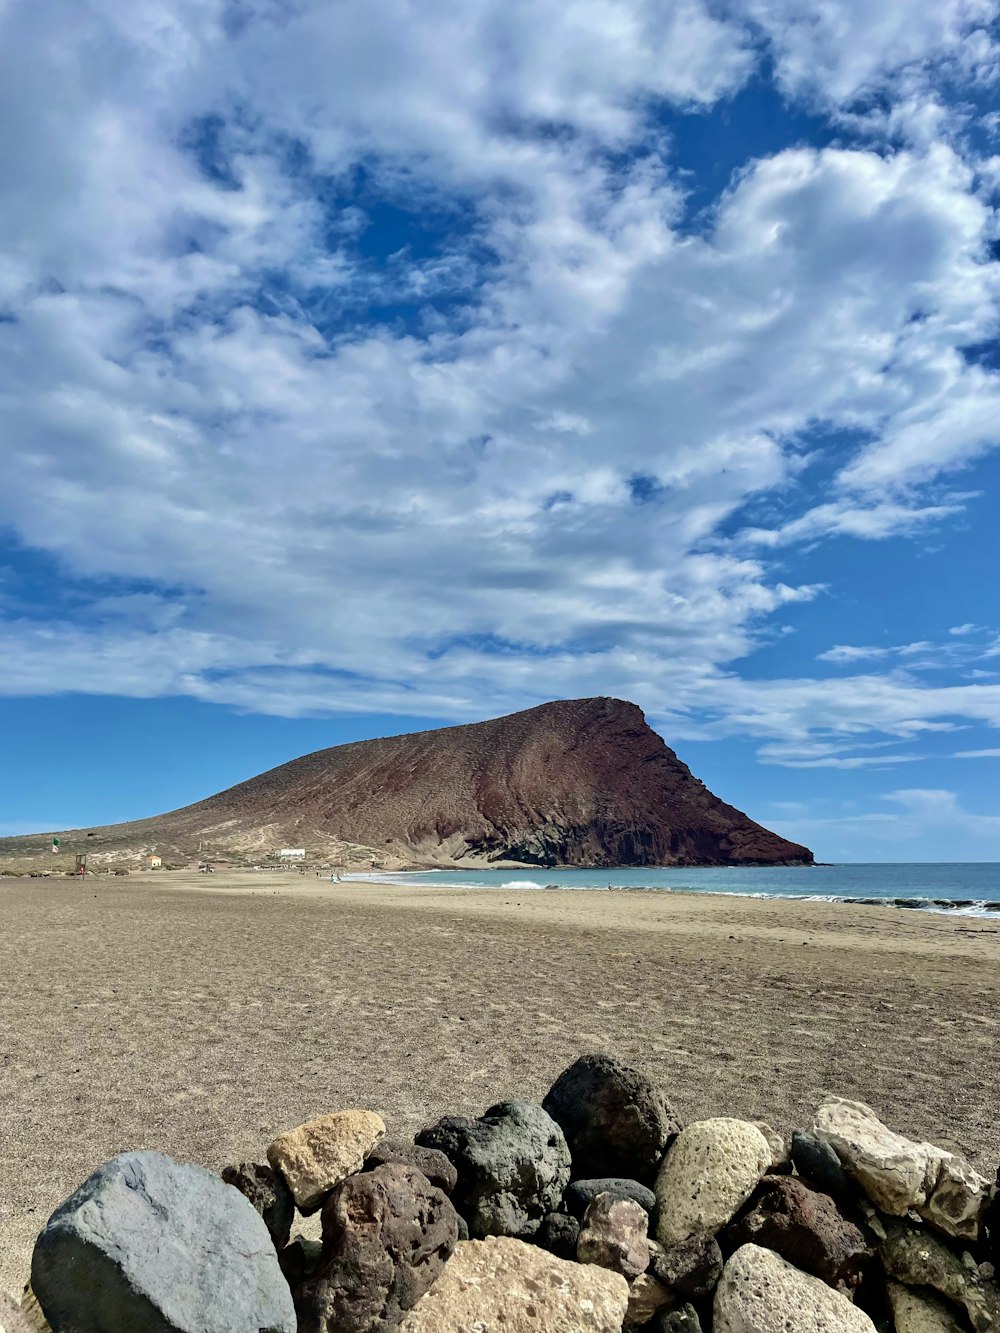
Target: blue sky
(372, 366)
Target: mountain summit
(578, 782)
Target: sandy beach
(201, 1016)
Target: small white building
(292, 854)
(153, 862)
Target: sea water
(971, 888)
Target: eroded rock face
(711, 1170)
(805, 1228)
(502, 1283)
(613, 1236)
(580, 1194)
(387, 1234)
(316, 1156)
(691, 1269)
(512, 1163)
(428, 1161)
(918, 1259)
(760, 1293)
(898, 1174)
(919, 1312)
(615, 1121)
(146, 1243)
(267, 1191)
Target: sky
(374, 366)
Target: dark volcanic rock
(387, 1234)
(806, 1229)
(576, 782)
(581, 1193)
(682, 1320)
(818, 1164)
(558, 1233)
(300, 1260)
(615, 1121)
(428, 1161)
(267, 1191)
(691, 1268)
(148, 1244)
(512, 1163)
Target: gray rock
(580, 1194)
(615, 1121)
(428, 1161)
(914, 1256)
(818, 1164)
(613, 1235)
(682, 1320)
(691, 1269)
(267, 1191)
(151, 1246)
(760, 1293)
(513, 1165)
(558, 1233)
(387, 1235)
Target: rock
(558, 1234)
(615, 1121)
(318, 1155)
(760, 1293)
(819, 1165)
(781, 1160)
(898, 1174)
(581, 1193)
(504, 1284)
(613, 1236)
(918, 1258)
(267, 1191)
(918, 1312)
(682, 1320)
(806, 1229)
(513, 1165)
(300, 1259)
(463, 1227)
(15, 1319)
(428, 1161)
(646, 1298)
(387, 1234)
(711, 1170)
(146, 1243)
(691, 1268)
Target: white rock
(318, 1155)
(761, 1293)
(899, 1174)
(919, 1312)
(502, 1285)
(711, 1169)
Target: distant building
(292, 854)
(153, 862)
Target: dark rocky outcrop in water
(580, 782)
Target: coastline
(201, 1015)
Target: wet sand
(202, 1015)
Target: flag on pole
(55, 844)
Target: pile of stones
(593, 1212)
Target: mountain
(579, 782)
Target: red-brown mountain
(580, 782)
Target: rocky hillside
(582, 782)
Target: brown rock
(428, 1161)
(267, 1191)
(646, 1297)
(613, 1236)
(386, 1236)
(691, 1268)
(321, 1153)
(914, 1256)
(920, 1312)
(503, 1285)
(805, 1228)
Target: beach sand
(202, 1015)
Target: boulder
(318, 1155)
(387, 1234)
(513, 1165)
(647, 1296)
(505, 1284)
(760, 1293)
(711, 1170)
(558, 1233)
(581, 1193)
(267, 1191)
(781, 1160)
(300, 1260)
(919, 1312)
(146, 1243)
(682, 1320)
(918, 1259)
(428, 1161)
(613, 1236)
(819, 1166)
(898, 1174)
(691, 1269)
(806, 1229)
(615, 1121)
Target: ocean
(971, 888)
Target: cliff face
(580, 782)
